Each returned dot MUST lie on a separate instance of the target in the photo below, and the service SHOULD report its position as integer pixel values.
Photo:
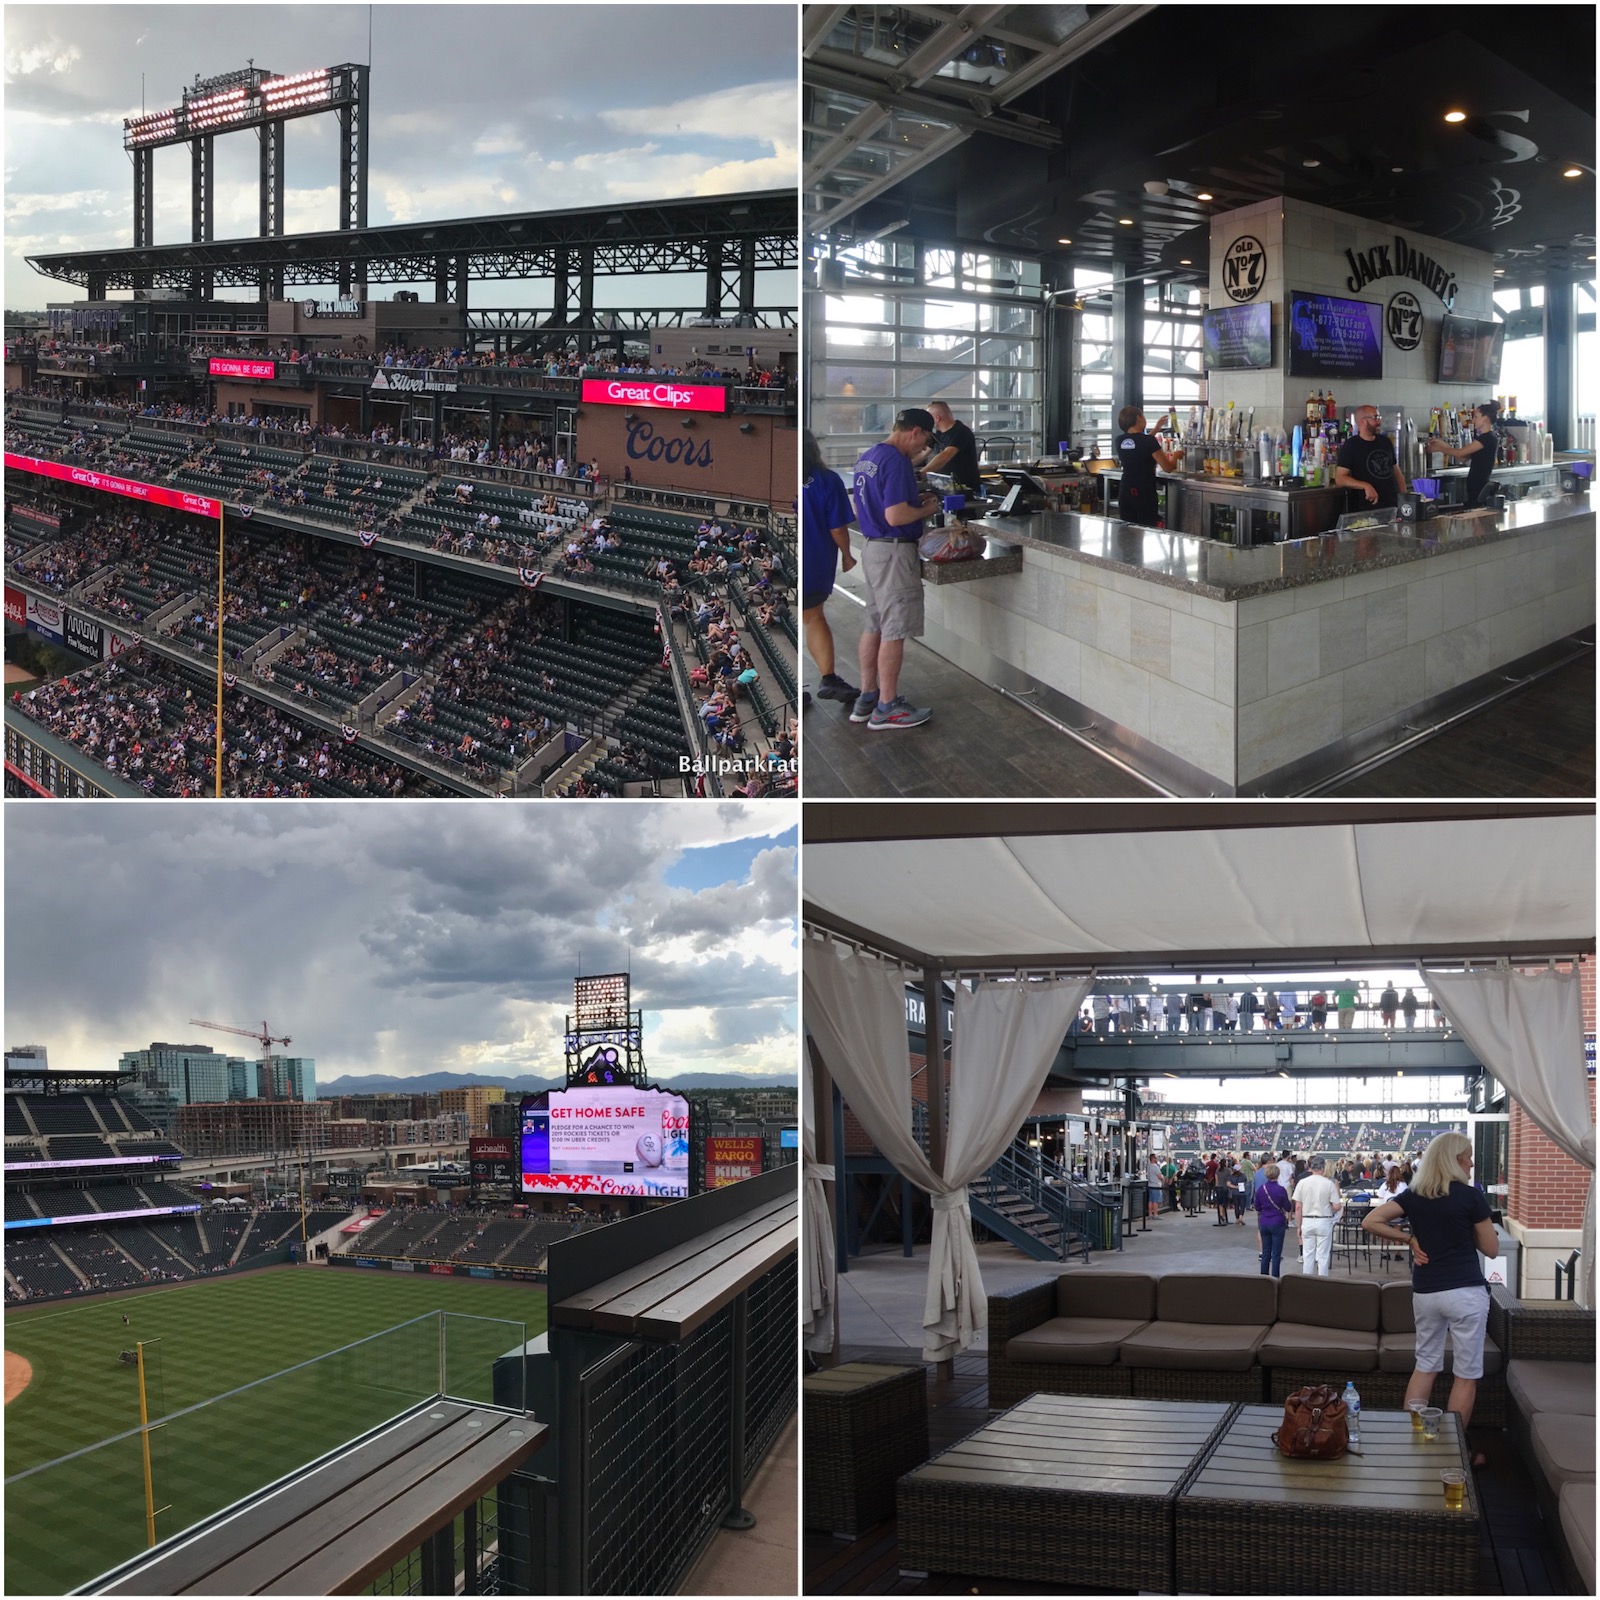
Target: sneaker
(897, 713)
(833, 687)
(866, 704)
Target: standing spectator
(1174, 1009)
(891, 513)
(1197, 1009)
(1408, 1007)
(1319, 1011)
(1388, 1003)
(1316, 1204)
(825, 518)
(1230, 1002)
(1272, 1013)
(1344, 998)
(1272, 1219)
(1286, 1006)
(1101, 1006)
(1249, 1004)
(1155, 1188)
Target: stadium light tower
(605, 1035)
(255, 97)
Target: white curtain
(1526, 1027)
(1006, 1036)
(817, 1227)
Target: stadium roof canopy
(957, 888)
(694, 235)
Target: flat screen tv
(1239, 338)
(1333, 338)
(1469, 352)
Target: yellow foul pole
(144, 1441)
(220, 551)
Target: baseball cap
(914, 417)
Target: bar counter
(1223, 670)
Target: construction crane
(264, 1037)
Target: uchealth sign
(107, 483)
(228, 367)
(658, 394)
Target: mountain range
(433, 1082)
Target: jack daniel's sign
(1367, 266)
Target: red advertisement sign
(16, 607)
(234, 367)
(150, 493)
(731, 1161)
(663, 394)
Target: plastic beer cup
(1430, 1421)
(1415, 1408)
(1455, 1488)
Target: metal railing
(1083, 1220)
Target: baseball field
(72, 1521)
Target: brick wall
(1547, 1187)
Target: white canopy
(1431, 887)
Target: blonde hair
(1272, 1171)
(1440, 1167)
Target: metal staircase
(1031, 1203)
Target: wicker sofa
(1550, 1384)
(1210, 1336)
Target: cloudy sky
(405, 937)
(475, 109)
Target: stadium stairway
(67, 1261)
(160, 1239)
(613, 714)
(1013, 1201)
(124, 1252)
(244, 1239)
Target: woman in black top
(1480, 453)
(1450, 1227)
(1139, 455)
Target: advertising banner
(493, 1160)
(660, 394)
(402, 1266)
(84, 636)
(16, 607)
(1334, 338)
(234, 367)
(730, 1160)
(442, 1269)
(118, 643)
(606, 1140)
(46, 522)
(45, 616)
(107, 483)
(788, 1138)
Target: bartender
(1139, 455)
(1480, 452)
(1367, 462)
(955, 449)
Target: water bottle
(1352, 1405)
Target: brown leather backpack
(1315, 1427)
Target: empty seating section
(101, 1197)
(168, 1194)
(23, 1152)
(495, 1236)
(654, 728)
(79, 1147)
(16, 1123)
(396, 1231)
(19, 1208)
(448, 1235)
(66, 1114)
(143, 1243)
(148, 1147)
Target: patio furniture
(865, 1424)
(1366, 1517)
(1073, 1491)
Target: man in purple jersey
(890, 514)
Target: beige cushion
(1217, 1297)
(1203, 1346)
(1397, 1352)
(1577, 1524)
(1397, 1314)
(1130, 1296)
(1563, 1446)
(1565, 1386)
(1329, 1303)
(1073, 1341)
(1301, 1344)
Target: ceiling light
(1204, 196)
(1573, 172)
(1455, 116)
(1127, 222)
(1499, 272)
(1186, 262)
(1310, 163)
(1063, 241)
(1397, 169)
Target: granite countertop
(1225, 572)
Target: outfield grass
(70, 1523)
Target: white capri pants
(1464, 1315)
(1316, 1245)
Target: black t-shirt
(1480, 464)
(963, 465)
(1136, 455)
(1371, 463)
(1444, 1227)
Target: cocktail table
(1061, 1489)
(1363, 1524)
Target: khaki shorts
(893, 572)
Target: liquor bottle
(1331, 411)
(1447, 361)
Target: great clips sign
(229, 367)
(661, 394)
(106, 483)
